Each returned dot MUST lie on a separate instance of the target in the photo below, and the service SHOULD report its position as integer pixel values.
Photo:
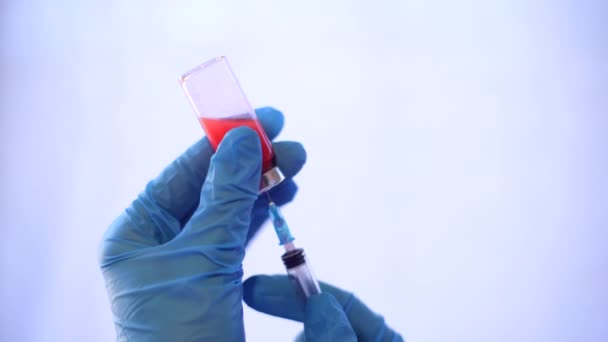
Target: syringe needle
(294, 258)
(280, 226)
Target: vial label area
(217, 128)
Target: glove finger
(272, 120)
(276, 296)
(290, 157)
(222, 218)
(177, 189)
(325, 320)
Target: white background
(456, 179)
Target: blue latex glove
(333, 315)
(172, 260)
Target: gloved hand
(172, 260)
(332, 315)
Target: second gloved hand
(334, 315)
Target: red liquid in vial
(217, 128)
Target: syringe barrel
(300, 273)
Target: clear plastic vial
(300, 273)
(220, 105)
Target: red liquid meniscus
(217, 128)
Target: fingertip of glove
(238, 136)
(271, 119)
(248, 289)
(273, 295)
(240, 144)
(290, 157)
(235, 167)
(268, 112)
(254, 292)
(260, 287)
(284, 192)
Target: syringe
(298, 269)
